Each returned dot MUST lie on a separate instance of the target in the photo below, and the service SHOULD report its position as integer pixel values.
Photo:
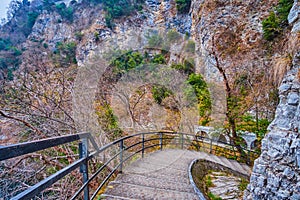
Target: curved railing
(125, 150)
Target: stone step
(147, 167)
(154, 182)
(167, 159)
(165, 156)
(179, 179)
(133, 191)
(163, 175)
(237, 167)
(247, 169)
(226, 162)
(112, 197)
(215, 159)
(200, 154)
(175, 165)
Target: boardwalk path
(163, 175)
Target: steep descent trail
(163, 175)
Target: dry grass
(281, 65)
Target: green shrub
(208, 181)
(249, 123)
(108, 121)
(213, 197)
(66, 53)
(126, 61)
(10, 75)
(96, 35)
(48, 5)
(275, 23)
(79, 35)
(159, 59)
(31, 18)
(9, 61)
(173, 36)
(5, 44)
(118, 8)
(200, 88)
(283, 9)
(16, 51)
(65, 12)
(160, 92)
(190, 46)
(155, 41)
(109, 21)
(183, 6)
(45, 45)
(188, 67)
(243, 184)
(271, 27)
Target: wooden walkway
(163, 175)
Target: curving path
(163, 175)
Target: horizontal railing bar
(148, 147)
(103, 166)
(37, 188)
(151, 139)
(30, 147)
(105, 180)
(216, 141)
(15, 150)
(133, 145)
(123, 138)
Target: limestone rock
(276, 172)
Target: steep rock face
(203, 23)
(96, 41)
(238, 25)
(294, 17)
(276, 173)
(129, 33)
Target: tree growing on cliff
(183, 6)
(242, 80)
(276, 22)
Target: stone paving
(162, 175)
(226, 186)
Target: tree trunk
(230, 118)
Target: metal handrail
(15, 150)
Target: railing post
(210, 147)
(248, 157)
(121, 156)
(182, 141)
(83, 153)
(161, 140)
(143, 145)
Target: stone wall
(276, 173)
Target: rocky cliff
(276, 172)
(224, 33)
(232, 29)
